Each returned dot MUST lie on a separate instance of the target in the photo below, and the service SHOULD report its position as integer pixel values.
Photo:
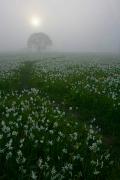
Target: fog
(73, 25)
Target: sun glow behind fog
(35, 21)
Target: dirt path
(26, 75)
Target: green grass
(49, 133)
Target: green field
(59, 116)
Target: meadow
(59, 116)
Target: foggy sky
(73, 25)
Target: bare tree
(39, 41)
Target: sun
(35, 21)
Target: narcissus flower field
(59, 117)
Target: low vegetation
(59, 118)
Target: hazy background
(73, 25)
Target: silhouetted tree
(39, 41)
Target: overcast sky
(73, 25)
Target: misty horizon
(73, 26)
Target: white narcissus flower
(1, 136)
(96, 172)
(9, 155)
(70, 108)
(55, 124)
(64, 150)
(33, 175)
(40, 163)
